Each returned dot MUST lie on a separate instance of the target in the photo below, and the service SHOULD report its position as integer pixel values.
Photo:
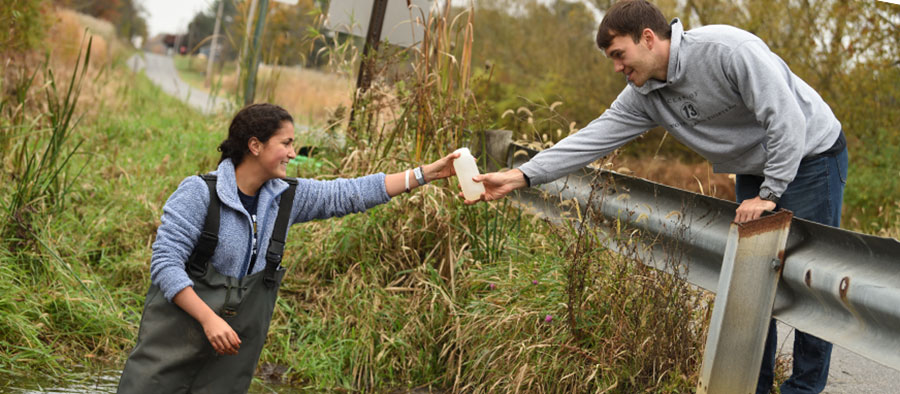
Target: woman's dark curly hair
(254, 120)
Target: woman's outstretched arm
(440, 169)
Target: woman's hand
(397, 183)
(440, 169)
(222, 337)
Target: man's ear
(649, 36)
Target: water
(83, 382)
(105, 381)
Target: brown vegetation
(308, 94)
(67, 29)
(697, 178)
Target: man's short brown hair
(631, 17)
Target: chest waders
(172, 354)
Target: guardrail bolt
(776, 264)
(844, 286)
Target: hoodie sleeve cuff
(171, 283)
(533, 174)
(776, 186)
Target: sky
(171, 16)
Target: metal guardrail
(836, 284)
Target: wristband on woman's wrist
(420, 175)
(406, 180)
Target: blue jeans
(815, 194)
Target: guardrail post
(752, 263)
(491, 148)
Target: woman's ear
(254, 146)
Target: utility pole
(367, 64)
(243, 52)
(250, 89)
(213, 47)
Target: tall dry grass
(40, 100)
(696, 177)
(68, 27)
(892, 217)
(106, 52)
(310, 95)
(65, 41)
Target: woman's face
(278, 151)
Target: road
(161, 70)
(849, 372)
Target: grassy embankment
(84, 196)
(422, 291)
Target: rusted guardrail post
(751, 267)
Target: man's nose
(619, 67)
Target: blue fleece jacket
(185, 212)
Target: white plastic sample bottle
(466, 169)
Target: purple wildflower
(534, 282)
(492, 286)
(548, 319)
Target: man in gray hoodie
(723, 93)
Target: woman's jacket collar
(226, 187)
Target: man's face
(633, 60)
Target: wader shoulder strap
(209, 237)
(276, 244)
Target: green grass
(191, 69)
(74, 278)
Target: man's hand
(498, 184)
(752, 208)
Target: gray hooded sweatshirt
(727, 97)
